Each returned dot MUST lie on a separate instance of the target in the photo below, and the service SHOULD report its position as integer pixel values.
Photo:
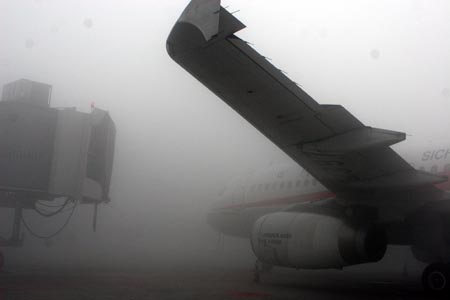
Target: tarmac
(202, 283)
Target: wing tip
(200, 22)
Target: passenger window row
(280, 185)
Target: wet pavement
(202, 284)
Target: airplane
(353, 195)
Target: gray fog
(177, 144)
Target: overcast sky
(387, 62)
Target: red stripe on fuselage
(306, 198)
(283, 201)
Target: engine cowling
(314, 241)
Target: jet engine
(314, 241)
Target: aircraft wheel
(436, 278)
(257, 272)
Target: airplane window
(434, 169)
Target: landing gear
(257, 272)
(436, 279)
(259, 269)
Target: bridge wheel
(436, 278)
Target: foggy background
(177, 145)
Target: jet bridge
(49, 153)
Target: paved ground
(201, 284)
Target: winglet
(200, 22)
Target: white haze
(387, 62)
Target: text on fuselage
(436, 154)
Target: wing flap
(354, 140)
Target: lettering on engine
(273, 238)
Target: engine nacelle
(314, 241)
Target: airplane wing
(328, 141)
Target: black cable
(66, 209)
(48, 205)
(44, 210)
(53, 234)
(51, 214)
